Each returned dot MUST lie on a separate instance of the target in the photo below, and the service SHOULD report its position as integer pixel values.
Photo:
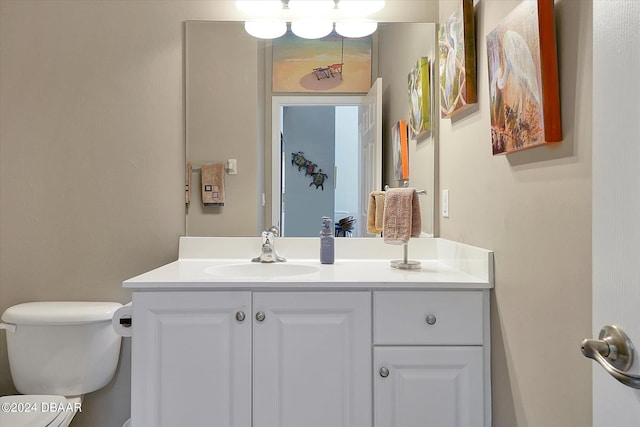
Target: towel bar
(420, 192)
(405, 263)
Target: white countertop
(444, 265)
(343, 274)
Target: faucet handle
(274, 230)
(267, 238)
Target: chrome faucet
(268, 247)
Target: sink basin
(260, 270)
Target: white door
(370, 125)
(312, 359)
(429, 386)
(191, 359)
(616, 197)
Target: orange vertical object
(549, 71)
(404, 149)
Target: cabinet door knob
(431, 319)
(260, 316)
(384, 372)
(240, 316)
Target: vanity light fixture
(311, 29)
(356, 29)
(310, 19)
(266, 29)
(311, 6)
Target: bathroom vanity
(221, 341)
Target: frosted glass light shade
(266, 29)
(311, 6)
(259, 6)
(308, 29)
(356, 29)
(360, 7)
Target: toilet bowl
(58, 352)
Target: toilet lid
(31, 410)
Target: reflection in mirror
(229, 107)
(318, 151)
(343, 135)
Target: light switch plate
(232, 166)
(445, 203)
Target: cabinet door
(191, 359)
(312, 359)
(429, 387)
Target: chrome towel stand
(405, 263)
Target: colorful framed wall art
(331, 64)
(523, 79)
(457, 53)
(419, 80)
(400, 141)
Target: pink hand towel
(401, 216)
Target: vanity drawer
(428, 318)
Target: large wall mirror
(232, 113)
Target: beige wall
(533, 209)
(91, 186)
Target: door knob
(240, 316)
(384, 372)
(614, 352)
(260, 316)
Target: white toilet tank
(62, 348)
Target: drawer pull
(431, 319)
(240, 316)
(384, 372)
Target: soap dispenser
(327, 249)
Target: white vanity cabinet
(312, 359)
(430, 358)
(220, 341)
(289, 359)
(191, 359)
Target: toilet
(58, 352)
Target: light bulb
(355, 29)
(310, 29)
(360, 7)
(311, 6)
(266, 29)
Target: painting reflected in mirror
(230, 115)
(331, 64)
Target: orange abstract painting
(400, 141)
